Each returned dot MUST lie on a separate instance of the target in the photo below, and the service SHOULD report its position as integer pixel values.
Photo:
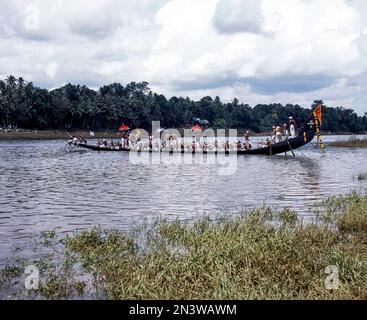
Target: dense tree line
(77, 107)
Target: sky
(259, 51)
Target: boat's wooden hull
(277, 148)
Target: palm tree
(2, 87)
(3, 100)
(11, 82)
(21, 82)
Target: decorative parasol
(196, 128)
(124, 128)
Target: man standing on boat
(285, 131)
(247, 143)
(278, 134)
(292, 127)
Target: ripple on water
(45, 186)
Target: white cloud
(313, 37)
(238, 16)
(52, 69)
(261, 51)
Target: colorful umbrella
(124, 128)
(196, 128)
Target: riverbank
(351, 143)
(262, 254)
(55, 135)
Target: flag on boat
(318, 114)
(124, 128)
(318, 118)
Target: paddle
(291, 148)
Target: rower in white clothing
(292, 127)
(278, 134)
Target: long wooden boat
(305, 136)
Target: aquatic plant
(262, 254)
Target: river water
(46, 186)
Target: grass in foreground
(351, 143)
(260, 255)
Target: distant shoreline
(351, 143)
(64, 135)
(55, 135)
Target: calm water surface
(45, 185)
